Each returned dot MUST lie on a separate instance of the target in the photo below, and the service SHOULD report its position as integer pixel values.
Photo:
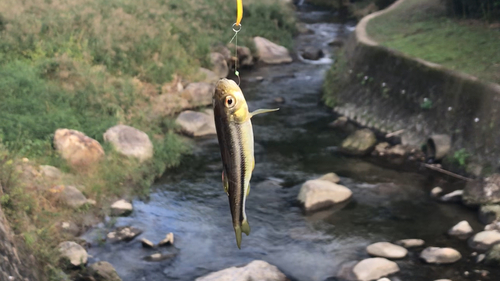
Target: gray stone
(386, 250)
(312, 53)
(384, 279)
(481, 192)
(207, 76)
(219, 65)
(436, 192)
(410, 243)
(50, 172)
(147, 244)
(270, 52)
(160, 257)
(480, 258)
(103, 271)
(440, 255)
(68, 227)
(331, 177)
(461, 229)
(255, 270)
(455, 196)
(168, 240)
(196, 124)
(360, 142)
(493, 226)
(484, 240)
(121, 208)
(489, 213)
(374, 268)
(73, 252)
(319, 194)
(72, 197)
(493, 256)
(340, 123)
(124, 233)
(199, 93)
(130, 141)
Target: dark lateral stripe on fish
(237, 155)
(242, 170)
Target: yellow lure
(239, 12)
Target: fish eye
(230, 101)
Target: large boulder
(480, 192)
(319, 194)
(130, 141)
(440, 255)
(78, 149)
(197, 124)
(219, 65)
(255, 270)
(387, 250)
(271, 53)
(489, 213)
(71, 196)
(374, 268)
(199, 93)
(73, 253)
(484, 240)
(360, 142)
(103, 271)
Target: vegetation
(485, 9)
(422, 29)
(91, 64)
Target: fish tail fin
(259, 111)
(237, 231)
(245, 227)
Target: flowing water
(291, 146)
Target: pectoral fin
(259, 111)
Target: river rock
(493, 256)
(359, 143)
(481, 192)
(196, 124)
(410, 243)
(160, 257)
(77, 149)
(493, 226)
(455, 196)
(255, 270)
(130, 141)
(168, 240)
(68, 227)
(319, 194)
(73, 252)
(331, 177)
(71, 196)
(270, 52)
(103, 271)
(384, 279)
(124, 233)
(374, 268)
(50, 172)
(208, 76)
(436, 192)
(245, 58)
(484, 240)
(489, 213)
(219, 65)
(199, 93)
(147, 244)
(440, 255)
(461, 229)
(121, 208)
(312, 53)
(387, 250)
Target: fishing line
(237, 28)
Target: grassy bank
(89, 65)
(421, 28)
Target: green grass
(89, 65)
(420, 28)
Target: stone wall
(390, 91)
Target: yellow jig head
(239, 12)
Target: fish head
(228, 100)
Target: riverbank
(88, 66)
(422, 29)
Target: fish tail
(237, 231)
(245, 227)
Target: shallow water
(292, 146)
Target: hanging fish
(235, 135)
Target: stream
(292, 145)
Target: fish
(236, 143)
